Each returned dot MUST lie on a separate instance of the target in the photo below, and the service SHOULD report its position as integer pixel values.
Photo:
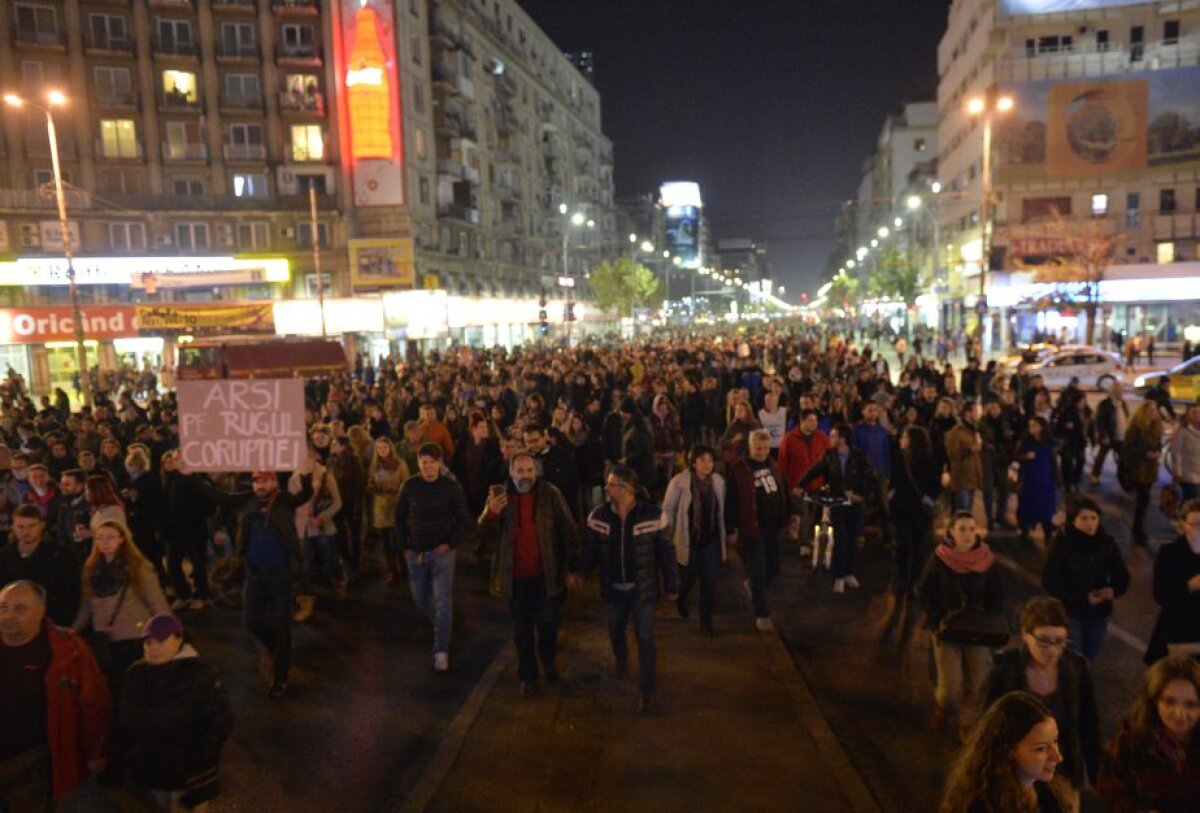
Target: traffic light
(570, 313)
(543, 317)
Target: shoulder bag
(973, 626)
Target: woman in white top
(773, 418)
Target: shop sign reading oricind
(102, 322)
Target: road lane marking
(1120, 633)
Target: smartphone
(496, 490)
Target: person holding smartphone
(529, 526)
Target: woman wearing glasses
(1060, 679)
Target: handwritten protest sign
(255, 425)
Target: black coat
(1078, 564)
(1079, 718)
(174, 718)
(942, 590)
(859, 476)
(143, 507)
(54, 568)
(1179, 618)
(913, 480)
(638, 549)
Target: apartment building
(1100, 144)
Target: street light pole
(985, 108)
(316, 250)
(56, 98)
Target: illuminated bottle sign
(368, 90)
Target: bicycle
(823, 537)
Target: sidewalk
(734, 728)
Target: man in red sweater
(801, 448)
(528, 522)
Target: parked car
(1095, 368)
(1183, 384)
(1029, 354)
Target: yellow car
(1183, 384)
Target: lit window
(249, 185)
(1165, 253)
(308, 142)
(1099, 204)
(118, 138)
(179, 87)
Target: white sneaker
(746, 587)
(441, 662)
(763, 624)
(839, 585)
(852, 583)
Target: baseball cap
(162, 627)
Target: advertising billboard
(682, 229)
(382, 263)
(371, 94)
(1102, 126)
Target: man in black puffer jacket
(1085, 571)
(174, 716)
(628, 538)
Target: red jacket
(798, 453)
(77, 709)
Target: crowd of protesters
(654, 465)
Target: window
(414, 45)
(424, 191)
(1099, 204)
(1042, 208)
(113, 85)
(108, 31)
(187, 187)
(179, 87)
(126, 237)
(418, 96)
(37, 24)
(254, 236)
(243, 90)
(1166, 200)
(191, 236)
(175, 37)
(249, 185)
(1164, 253)
(237, 39)
(308, 142)
(298, 39)
(419, 143)
(413, 8)
(177, 145)
(1170, 32)
(304, 234)
(919, 145)
(250, 134)
(1102, 39)
(314, 182)
(1133, 215)
(1137, 38)
(118, 138)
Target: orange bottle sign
(368, 89)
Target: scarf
(109, 577)
(976, 560)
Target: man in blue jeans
(628, 538)
(431, 515)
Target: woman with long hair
(120, 594)
(1061, 680)
(385, 475)
(1038, 498)
(914, 493)
(1008, 763)
(1154, 761)
(1140, 457)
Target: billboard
(1103, 126)
(209, 319)
(382, 263)
(1059, 6)
(371, 94)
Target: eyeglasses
(1051, 643)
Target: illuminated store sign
(134, 270)
(372, 100)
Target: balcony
(176, 101)
(240, 103)
(447, 126)
(39, 199)
(296, 8)
(237, 52)
(236, 6)
(304, 156)
(471, 175)
(463, 213)
(40, 148)
(245, 152)
(25, 38)
(127, 100)
(450, 168)
(294, 54)
(185, 152)
(119, 151)
(313, 103)
(109, 46)
(189, 4)
(164, 46)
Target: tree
(1086, 250)
(625, 285)
(896, 275)
(843, 292)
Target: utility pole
(316, 250)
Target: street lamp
(56, 98)
(984, 109)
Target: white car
(1095, 369)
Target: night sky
(771, 105)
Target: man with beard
(73, 514)
(531, 528)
